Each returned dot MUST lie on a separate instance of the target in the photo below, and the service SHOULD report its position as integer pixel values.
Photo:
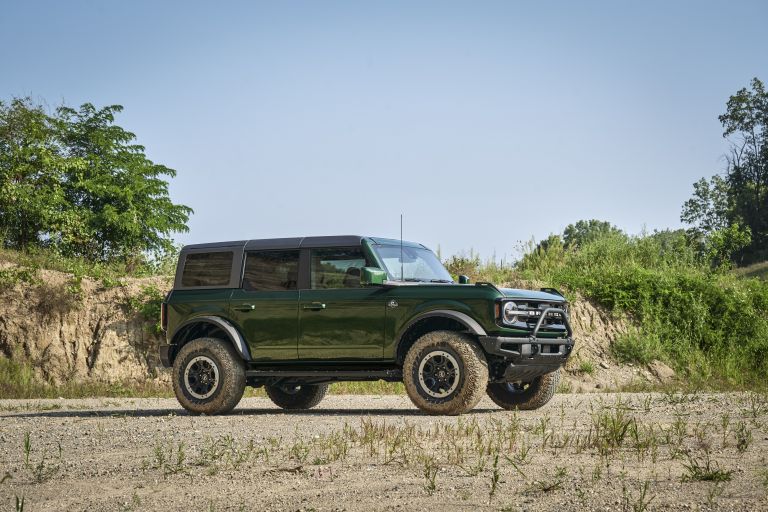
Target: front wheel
(445, 372)
(296, 396)
(525, 396)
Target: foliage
(586, 231)
(707, 322)
(740, 198)
(148, 304)
(76, 182)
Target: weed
(587, 367)
(703, 470)
(743, 437)
(169, 458)
(641, 501)
(494, 478)
(714, 492)
(430, 475)
(27, 449)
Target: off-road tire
(305, 396)
(229, 370)
(537, 393)
(471, 380)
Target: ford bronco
(295, 314)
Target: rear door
(265, 307)
(339, 319)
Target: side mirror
(463, 280)
(372, 276)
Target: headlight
(509, 313)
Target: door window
(271, 271)
(336, 268)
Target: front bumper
(526, 358)
(165, 355)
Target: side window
(336, 268)
(271, 271)
(207, 269)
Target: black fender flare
(232, 333)
(467, 321)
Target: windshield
(417, 264)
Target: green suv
(295, 314)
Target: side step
(333, 374)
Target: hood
(514, 293)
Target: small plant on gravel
(725, 422)
(550, 484)
(27, 448)
(430, 474)
(168, 458)
(703, 470)
(299, 451)
(714, 492)
(20, 504)
(758, 404)
(611, 429)
(743, 437)
(494, 478)
(647, 403)
(637, 503)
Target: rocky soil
(593, 451)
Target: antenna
(402, 275)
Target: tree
(740, 198)
(586, 231)
(78, 183)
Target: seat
(352, 278)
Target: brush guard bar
(533, 350)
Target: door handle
(315, 305)
(244, 307)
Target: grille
(535, 309)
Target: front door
(266, 306)
(339, 319)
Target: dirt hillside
(98, 334)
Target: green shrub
(707, 323)
(148, 305)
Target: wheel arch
(435, 320)
(208, 326)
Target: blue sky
(485, 123)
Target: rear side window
(271, 271)
(207, 269)
(337, 268)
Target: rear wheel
(208, 376)
(525, 395)
(445, 372)
(296, 396)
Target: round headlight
(509, 313)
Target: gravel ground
(582, 451)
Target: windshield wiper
(412, 280)
(440, 281)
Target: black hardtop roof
(300, 242)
